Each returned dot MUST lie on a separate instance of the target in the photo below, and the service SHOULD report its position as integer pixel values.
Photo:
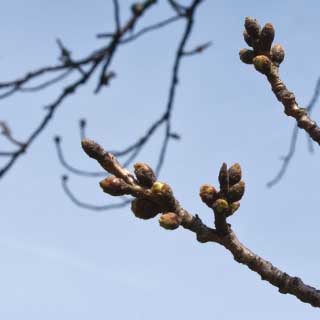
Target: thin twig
(294, 137)
(92, 207)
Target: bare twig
(92, 207)
(99, 57)
(288, 157)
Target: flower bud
(236, 192)
(144, 209)
(234, 174)
(208, 194)
(115, 186)
(277, 53)
(262, 64)
(221, 206)
(169, 221)
(252, 26)
(266, 37)
(161, 189)
(248, 39)
(246, 56)
(224, 178)
(234, 206)
(144, 174)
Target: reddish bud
(246, 56)
(208, 194)
(169, 221)
(115, 186)
(252, 27)
(236, 192)
(262, 64)
(266, 37)
(144, 209)
(234, 174)
(144, 174)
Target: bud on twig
(169, 221)
(252, 26)
(262, 64)
(277, 53)
(266, 37)
(115, 186)
(246, 56)
(144, 174)
(144, 209)
(221, 206)
(224, 178)
(161, 189)
(234, 174)
(234, 206)
(236, 192)
(208, 194)
(248, 39)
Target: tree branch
(266, 60)
(153, 197)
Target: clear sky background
(59, 261)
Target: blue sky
(61, 261)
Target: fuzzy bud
(234, 174)
(266, 37)
(208, 194)
(246, 56)
(236, 192)
(224, 178)
(144, 209)
(248, 39)
(277, 53)
(221, 206)
(115, 186)
(161, 189)
(169, 221)
(252, 27)
(234, 206)
(144, 174)
(262, 64)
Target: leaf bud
(144, 209)
(144, 174)
(246, 56)
(277, 53)
(224, 178)
(234, 174)
(208, 194)
(248, 39)
(252, 26)
(161, 189)
(262, 64)
(169, 221)
(221, 206)
(236, 192)
(234, 206)
(266, 37)
(115, 186)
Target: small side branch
(266, 60)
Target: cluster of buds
(263, 55)
(225, 201)
(152, 197)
